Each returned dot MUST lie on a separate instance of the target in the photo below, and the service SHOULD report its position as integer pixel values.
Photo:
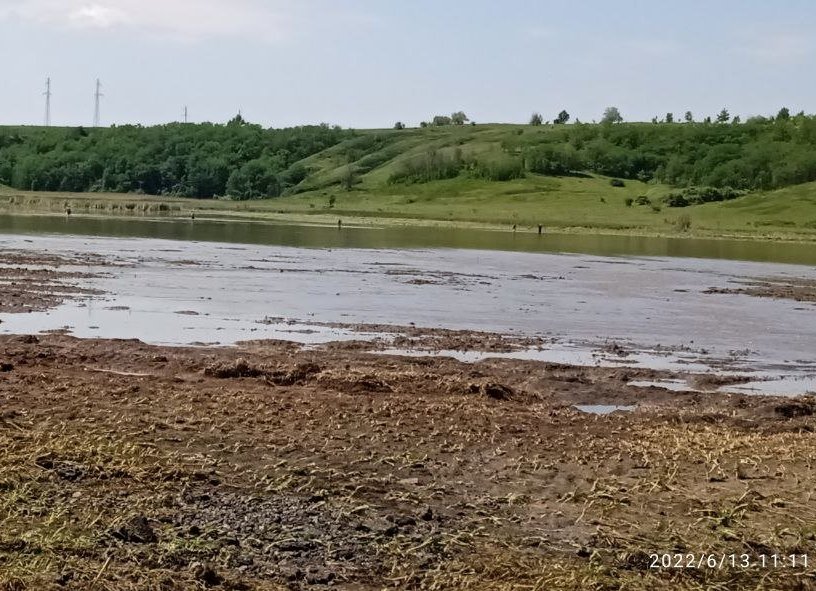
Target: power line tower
(47, 95)
(97, 96)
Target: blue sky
(367, 63)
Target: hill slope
(609, 177)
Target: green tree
(784, 114)
(563, 118)
(399, 125)
(612, 115)
(724, 116)
(669, 117)
(459, 118)
(536, 119)
(689, 117)
(442, 121)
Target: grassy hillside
(472, 174)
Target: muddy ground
(270, 466)
(128, 466)
(36, 282)
(783, 288)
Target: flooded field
(654, 312)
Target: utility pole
(47, 95)
(97, 96)
(185, 113)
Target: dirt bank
(127, 466)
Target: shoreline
(264, 211)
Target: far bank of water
(408, 237)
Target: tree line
(238, 159)
(760, 153)
(246, 161)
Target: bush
(432, 166)
(617, 183)
(500, 169)
(628, 201)
(699, 195)
(643, 200)
(683, 223)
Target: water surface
(406, 237)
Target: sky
(370, 63)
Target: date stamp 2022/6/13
(730, 561)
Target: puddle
(761, 383)
(672, 385)
(584, 354)
(603, 409)
(781, 386)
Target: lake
(321, 236)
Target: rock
(135, 530)
(426, 514)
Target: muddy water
(177, 292)
(314, 236)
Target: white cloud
(182, 19)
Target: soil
(270, 466)
(798, 290)
(36, 282)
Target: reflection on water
(313, 236)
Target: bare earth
(269, 466)
(30, 283)
(786, 288)
(126, 466)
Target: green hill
(748, 178)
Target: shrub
(698, 195)
(643, 200)
(506, 168)
(431, 166)
(617, 183)
(683, 222)
(628, 201)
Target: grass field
(577, 203)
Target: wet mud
(271, 466)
